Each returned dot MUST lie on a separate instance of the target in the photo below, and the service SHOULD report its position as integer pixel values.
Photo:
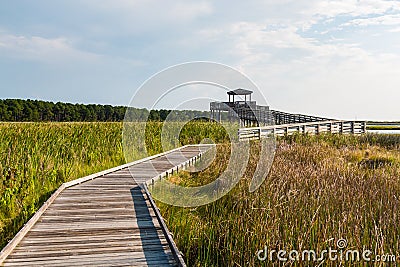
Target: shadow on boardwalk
(152, 247)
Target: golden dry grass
(320, 189)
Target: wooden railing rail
(312, 128)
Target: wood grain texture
(104, 220)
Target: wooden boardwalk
(105, 219)
(311, 128)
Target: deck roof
(240, 91)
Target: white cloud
(251, 39)
(332, 8)
(334, 78)
(359, 85)
(327, 11)
(386, 20)
(144, 11)
(304, 54)
(42, 49)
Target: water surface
(384, 131)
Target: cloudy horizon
(330, 58)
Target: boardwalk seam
(5, 252)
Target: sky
(331, 58)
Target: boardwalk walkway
(311, 128)
(102, 220)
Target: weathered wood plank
(112, 260)
(102, 219)
(88, 258)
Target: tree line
(38, 110)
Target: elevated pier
(260, 121)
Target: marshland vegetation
(320, 188)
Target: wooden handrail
(331, 126)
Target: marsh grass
(36, 158)
(320, 189)
(383, 127)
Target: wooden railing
(289, 118)
(179, 167)
(5, 252)
(312, 128)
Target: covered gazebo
(245, 111)
(239, 91)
